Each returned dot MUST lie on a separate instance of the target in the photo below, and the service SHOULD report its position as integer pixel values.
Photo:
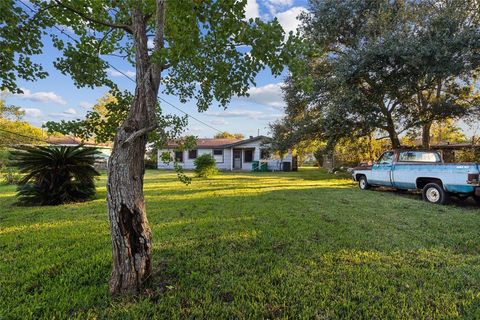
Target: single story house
(230, 154)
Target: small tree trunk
(426, 135)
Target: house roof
(69, 140)
(208, 143)
(252, 139)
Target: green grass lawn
(285, 245)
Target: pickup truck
(421, 170)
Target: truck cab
(421, 170)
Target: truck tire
(434, 193)
(363, 183)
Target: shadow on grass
(315, 251)
(330, 251)
(455, 201)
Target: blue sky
(57, 98)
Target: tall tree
(388, 67)
(194, 42)
(439, 62)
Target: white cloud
(236, 114)
(70, 111)
(33, 112)
(270, 95)
(219, 122)
(288, 19)
(281, 3)
(275, 5)
(41, 96)
(115, 73)
(85, 105)
(195, 130)
(248, 114)
(251, 9)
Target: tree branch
(139, 133)
(159, 25)
(158, 40)
(84, 16)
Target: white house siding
(189, 163)
(227, 164)
(273, 164)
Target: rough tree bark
(130, 232)
(426, 135)
(425, 103)
(390, 124)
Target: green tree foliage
(55, 175)
(441, 132)
(101, 123)
(192, 55)
(385, 67)
(205, 166)
(13, 130)
(228, 135)
(9, 112)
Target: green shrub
(55, 175)
(205, 166)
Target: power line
(28, 137)
(162, 99)
(126, 75)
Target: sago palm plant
(55, 174)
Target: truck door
(382, 170)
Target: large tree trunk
(426, 135)
(392, 134)
(390, 125)
(131, 236)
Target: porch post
(231, 159)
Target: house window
(192, 154)
(179, 156)
(248, 155)
(218, 155)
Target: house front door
(237, 159)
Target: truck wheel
(363, 183)
(434, 193)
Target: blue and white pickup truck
(421, 170)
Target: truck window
(419, 156)
(386, 158)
